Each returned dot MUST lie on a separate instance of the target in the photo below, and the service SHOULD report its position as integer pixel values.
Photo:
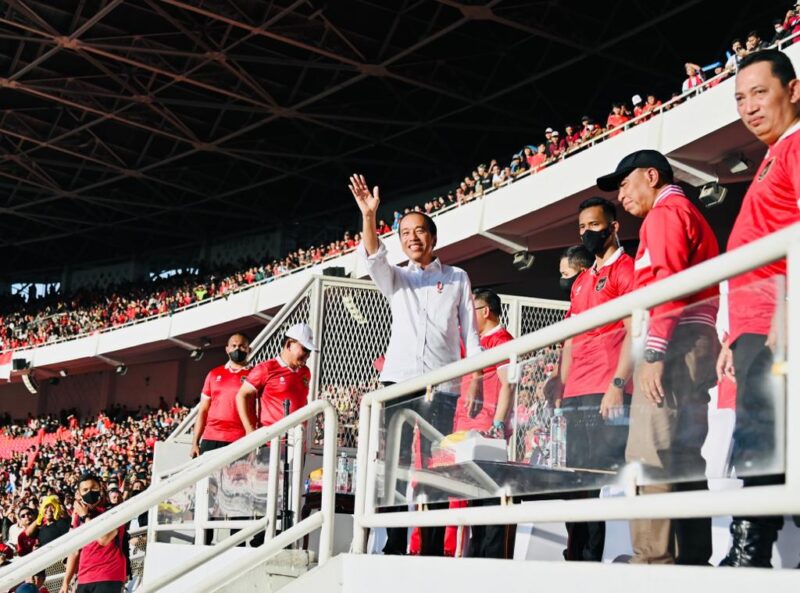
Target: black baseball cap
(641, 159)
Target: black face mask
(595, 241)
(237, 356)
(566, 285)
(91, 497)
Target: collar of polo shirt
(434, 266)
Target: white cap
(303, 334)
(636, 99)
(548, 131)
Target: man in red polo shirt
(597, 366)
(218, 423)
(101, 565)
(285, 377)
(669, 408)
(768, 101)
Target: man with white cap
(285, 377)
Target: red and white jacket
(674, 236)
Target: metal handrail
(198, 469)
(739, 261)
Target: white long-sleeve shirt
(432, 312)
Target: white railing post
(359, 532)
(201, 518)
(328, 503)
(316, 321)
(272, 486)
(792, 457)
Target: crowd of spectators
(116, 444)
(56, 317)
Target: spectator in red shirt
(768, 101)
(651, 104)
(538, 160)
(101, 565)
(572, 137)
(218, 423)
(669, 410)
(285, 377)
(616, 119)
(557, 145)
(597, 366)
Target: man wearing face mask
(596, 366)
(574, 260)
(100, 565)
(218, 422)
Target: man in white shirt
(432, 314)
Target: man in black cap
(670, 397)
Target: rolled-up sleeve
(379, 268)
(466, 318)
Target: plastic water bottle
(341, 473)
(558, 439)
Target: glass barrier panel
(178, 508)
(568, 426)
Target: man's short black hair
(609, 210)
(754, 34)
(578, 257)
(429, 224)
(242, 335)
(779, 62)
(89, 477)
(491, 299)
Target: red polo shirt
(595, 354)
(276, 382)
(772, 202)
(484, 419)
(221, 386)
(675, 236)
(102, 563)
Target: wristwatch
(651, 355)
(618, 382)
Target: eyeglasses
(482, 307)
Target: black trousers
(491, 541)
(440, 412)
(754, 447)
(101, 587)
(592, 443)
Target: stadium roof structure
(142, 125)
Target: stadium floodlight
(197, 354)
(522, 260)
(62, 373)
(121, 370)
(712, 194)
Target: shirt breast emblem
(439, 287)
(219, 378)
(600, 284)
(283, 380)
(766, 169)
